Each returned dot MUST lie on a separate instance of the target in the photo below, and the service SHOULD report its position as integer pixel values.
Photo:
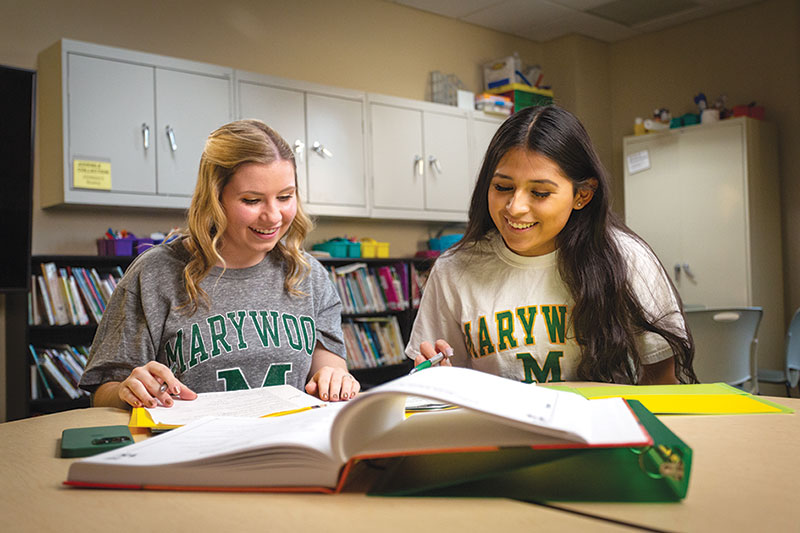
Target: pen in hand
(435, 360)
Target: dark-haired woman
(547, 283)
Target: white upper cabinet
(419, 160)
(124, 128)
(484, 126)
(325, 127)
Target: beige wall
(750, 53)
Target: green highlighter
(83, 442)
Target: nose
(517, 204)
(271, 213)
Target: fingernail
(168, 402)
(335, 397)
(177, 389)
(449, 352)
(153, 403)
(137, 403)
(324, 396)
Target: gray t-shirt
(253, 334)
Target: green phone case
(83, 442)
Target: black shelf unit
(19, 335)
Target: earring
(579, 204)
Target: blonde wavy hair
(227, 149)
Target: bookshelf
(20, 333)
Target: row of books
(375, 289)
(56, 371)
(70, 295)
(373, 342)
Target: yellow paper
(91, 174)
(708, 404)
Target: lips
(265, 232)
(520, 225)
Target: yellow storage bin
(373, 248)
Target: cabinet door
(653, 198)
(713, 217)
(398, 167)
(110, 108)
(190, 106)
(448, 181)
(336, 173)
(284, 111)
(482, 133)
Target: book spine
(38, 364)
(88, 296)
(66, 295)
(51, 320)
(83, 318)
(67, 371)
(52, 371)
(54, 292)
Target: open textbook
(315, 449)
(260, 402)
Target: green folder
(657, 473)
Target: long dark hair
(589, 257)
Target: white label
(638, 162)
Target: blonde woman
(233, 302)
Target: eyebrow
(259, 193)
(504, 176)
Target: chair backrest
(725, 343)
(793, 350)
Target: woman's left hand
(330, 380)
(333, 384)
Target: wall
(750, 54)
(373, 45)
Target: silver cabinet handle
(171, 137)
(435, 164)
(321, 150)
(688, 271)
(146, 136)
(677, 268)
(419, 165)
(299, 148)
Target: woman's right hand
(142, 388)
(428, 350)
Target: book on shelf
(501, 435)
(40, 370)
(60, 366)
(55, 294)
(373, 341)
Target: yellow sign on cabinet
(87, 174)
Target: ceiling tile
(450, 8)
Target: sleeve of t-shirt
(655, 293)
(122, 341)
(329, 313)
(435, 320)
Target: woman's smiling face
(530, 201)
(260, 203)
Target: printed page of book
(563, 415)
(281, 451)
(253, 403)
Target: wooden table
(32, 498)
(744, 478)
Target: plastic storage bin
(523, 95)
(115, 246)
(373, 248)
(444, 242)
(339, 247)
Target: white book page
(612, 424)
(537, 409)
(244, 403)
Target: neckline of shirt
(520, 261)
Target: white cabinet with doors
(706, 199)
(325, 127)
(484, 126)
(419, 159)
(140, 119)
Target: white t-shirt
(509, 315)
